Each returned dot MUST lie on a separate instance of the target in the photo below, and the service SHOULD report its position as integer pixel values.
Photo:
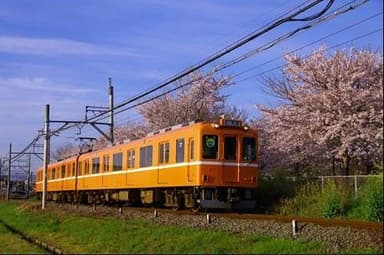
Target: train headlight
(245, 128)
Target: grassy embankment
(11, 243)
(334, 200)
(79, 234)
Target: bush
(271, 190)
(334, 200)
(370, 199)
(304, 203)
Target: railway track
(267, 217)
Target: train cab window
(117, 161)
(146, 156)
(53, 173)
(62, 171)
(95, 165)
(180, 150)
(164, 153)
(210, 146)
(131, 158)
(230, 148)
(191, 149)
(106, 163)
(249, 149)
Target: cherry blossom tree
(65, 151)
(332, 108)
(198, 98)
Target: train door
(191, 169)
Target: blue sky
(62, 52)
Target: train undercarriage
(179, 198)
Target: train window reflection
(249, 149)
(117, 161)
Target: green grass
(11, 243)
(79, 234)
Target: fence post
(355, 185)
(322, 183)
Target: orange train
(195, 165)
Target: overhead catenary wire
(273, 24)
(340, 10)
(329, 48)
(310, 44)
(222, 52)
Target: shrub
(304, 203)
(334, 200)
(370, 199)
(271, 190)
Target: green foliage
(304, 202)
(271, 190)
(370, 199)
(337, 200)
(333, 200)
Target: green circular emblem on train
(210, 142)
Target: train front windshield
(248, 147)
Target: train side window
(164, 153)
(62, 171)
(53, 173)
(180, 150)
(86, 167)
(68, 171)
(80, 168)
(117, 161)
(146, 156)
(249, 149)
(131, 158)
(106, 163)
(73, 169)
(210, 146)
(95, 165)
(191, 149)
(230, 147)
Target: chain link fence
(352, 182)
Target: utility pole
(46, 156)
(110, 95)
(29, 175)
(9, 171)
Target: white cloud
(40, 84)
(57, 47)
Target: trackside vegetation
(79, 234)
(335, 199)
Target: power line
(266, 46)
(266, 28)
(230, 48)
(332, 47)
(311, 43)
